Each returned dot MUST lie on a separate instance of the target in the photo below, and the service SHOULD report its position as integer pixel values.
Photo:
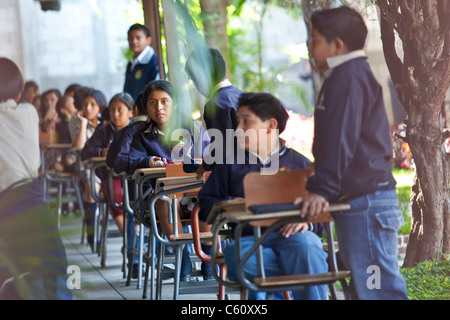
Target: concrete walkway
(108, 283)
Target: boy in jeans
(352, 149)
(293, 249)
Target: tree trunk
(430, 195)
(422, 79)
(215, 19)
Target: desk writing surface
(97, 159)
(242, 216)
(56, 145)
(148, 171)
(174, 183)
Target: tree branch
(393, 62)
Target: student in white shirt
(31, 247)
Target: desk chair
(284, 188)
(62, 179)
(121, 206)
(197, 239)
(137, 207)
(101, 221)
(169, 189)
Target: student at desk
(121, 111)
(293, 249)
(117, 159)
(151, 148)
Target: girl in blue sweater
(151, 147)
(121, 111)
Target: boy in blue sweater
(293, 249)
(206, 68)
(352, 150)
(144, 65)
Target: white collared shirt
(222, 84)
(19, 143)
(268, 157)
(153, 128)
(143, 58)
(333, 62)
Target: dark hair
(344, 23)
(61, 104)
(140, 104)
(266, 107)
(72, 88)
(157, 85)
(105, 116)
(138, 26)
(11, 80)
(209, 59)
(123, 97)
(29, 84)
(78, 96)
(50, 91)
(99, 98)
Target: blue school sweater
(352, 146)
(221, 113)
(100, 140)
(140, 76)
(118, 153)
(221, 110)
(227, 180)
(148, 142)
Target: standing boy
(352, 150)
(143, 66)
(207, 69)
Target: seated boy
(292, 249)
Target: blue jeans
(368, 245)
(301, 253)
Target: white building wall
(81, 43)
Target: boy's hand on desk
(289, 229)
(312, 204)
(200, 171)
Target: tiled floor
(107, 283)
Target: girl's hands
(157, 162)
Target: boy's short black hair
(208, 57)
(344, 23)
(11, 80)
(266, 107)
(138, 26)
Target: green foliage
(428, 280)
(404, 181)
